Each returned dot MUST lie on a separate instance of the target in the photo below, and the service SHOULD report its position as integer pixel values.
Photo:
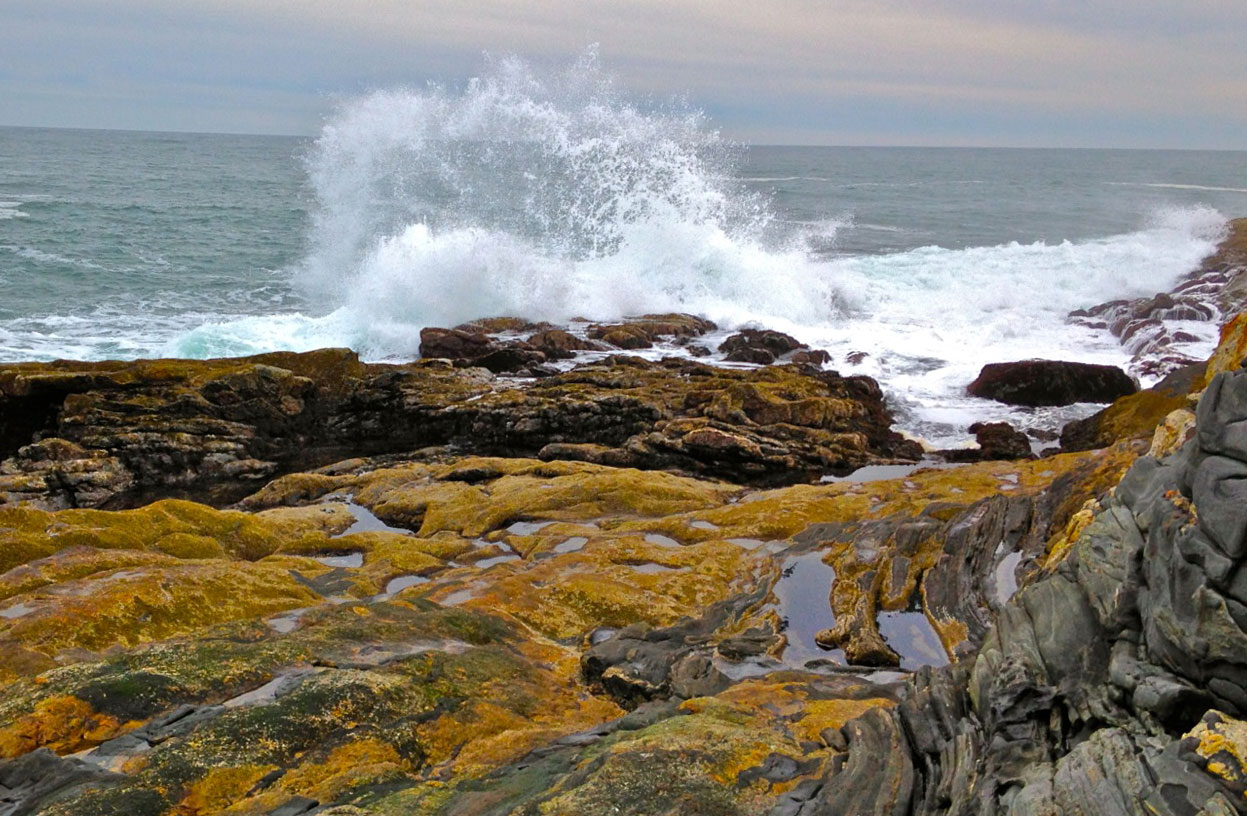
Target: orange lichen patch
(726, 737)
(1230, 351)
(1060, 546)
(63, 724)
(17, 662)
(782, 714)
(346, 766)
(499, 726)
(1222, 741)
(131, 606)
(821, 715)
(485, 722)
(219, 789)
(772, 699)
(951, 632)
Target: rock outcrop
(608, 590)
(1051, 382)
(1111, 684)
(996, 440)
(117, 434)
(1156, 330)
(394, 634)
(642, 332)
(765, 346)
(1140, 414)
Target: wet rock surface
(997, 440)
(1051, 382)
(1101, 685)
(764, 346)
(618, 588)
(1158, 331)
(258, 660)
(116, 434)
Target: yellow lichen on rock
(220, 788)
(782, 513)
(1231, 349)
(131, 606)
(1222, 741)
(789, 704)
(1060, 545)
(63, 724)
(180, 528)
(1172, 433)
(356, 762)
(614, 581)
(591, 492)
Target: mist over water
(543, 196)
(554, 196)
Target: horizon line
(257, 134)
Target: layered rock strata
(1110, 685)
(1158, 330)
(117, 434)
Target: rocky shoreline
(536, 574)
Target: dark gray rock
(1219, 490)
(760, 346)
(36, 778)
(1221, 418)
(1089, 676)
(1051, 382)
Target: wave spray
(543, 196)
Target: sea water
(555, 196)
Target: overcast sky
(1061, 73)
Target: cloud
(1133, 72)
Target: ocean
(554, 197)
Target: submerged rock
(1051, 382)
(762, 346)
(997, 440)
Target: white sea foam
(1174, 186)
(552, 197)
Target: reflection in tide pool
(804, 594)
(402, 582)
(912, 637)
(367, 522)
